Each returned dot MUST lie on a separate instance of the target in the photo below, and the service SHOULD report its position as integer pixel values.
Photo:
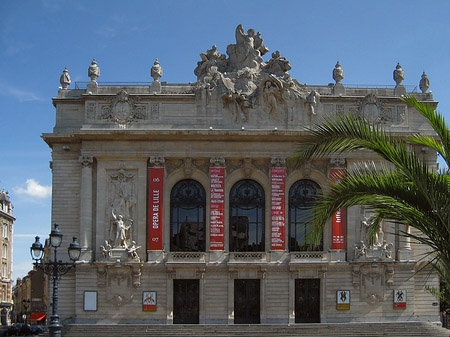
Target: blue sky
(39, 38)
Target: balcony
(309, 257)
(186, 257)
(247, 257)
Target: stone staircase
(407, 329)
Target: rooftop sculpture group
(245, 82)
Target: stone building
(188, 211)
(6, 222)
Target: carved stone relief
(121, 202)
(120, 281)
(372, 283)
(188, 165)
(374, 110)
(156, 161)
(91, 111)
(124, 109)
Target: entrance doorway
(186, 303)
(247, 301)
(307, 301)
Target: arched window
(247, 217)
(301, 196)
(187, 217)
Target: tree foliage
(404, 189)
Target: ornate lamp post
(55, 269)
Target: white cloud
(21, 95)
(34, 189)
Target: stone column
(233, 274)
(171, 275)
(86, 208)
(405, 253)
(292, 276)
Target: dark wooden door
(246, 301)
(307, 301)
(186, 302)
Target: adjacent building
(6, 225)
(30, 295)
(188, 210)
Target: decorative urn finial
(424, 84)
(65, 79)
(338, 73)
(156, 71)
(399, 74)
(94, 71)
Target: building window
(302, 194)
(4, 270)
(4, 293)
(5, 230)
(247, 217)
(187, 217)
(5, 252)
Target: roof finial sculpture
(94, 71)
(156, 71)
(399, 74)
(338, 73)
(65, 79)
(338, 76)
(424, 84)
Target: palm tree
(404, 190)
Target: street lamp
(26, 305)
(55, 269)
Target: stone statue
(360, 250)
(119, 236)
(272, 93)
(259, 44)
(399, 74)
(338, 73)
(156, 71)
(313, 100)
(94, 71)
(277, 65)
(379, 237)
(106, 249)
(65, 79)
(132, 250)
(243, 53)
(424, 84)
(387, 249)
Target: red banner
(155, 208)
(338, 221)
(278, 181)
(217, 224)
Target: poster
(343, 300)
(338, 224)
(155, 208)
(149, 301)
(278, 182)
(399, 299)
(217, 200)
